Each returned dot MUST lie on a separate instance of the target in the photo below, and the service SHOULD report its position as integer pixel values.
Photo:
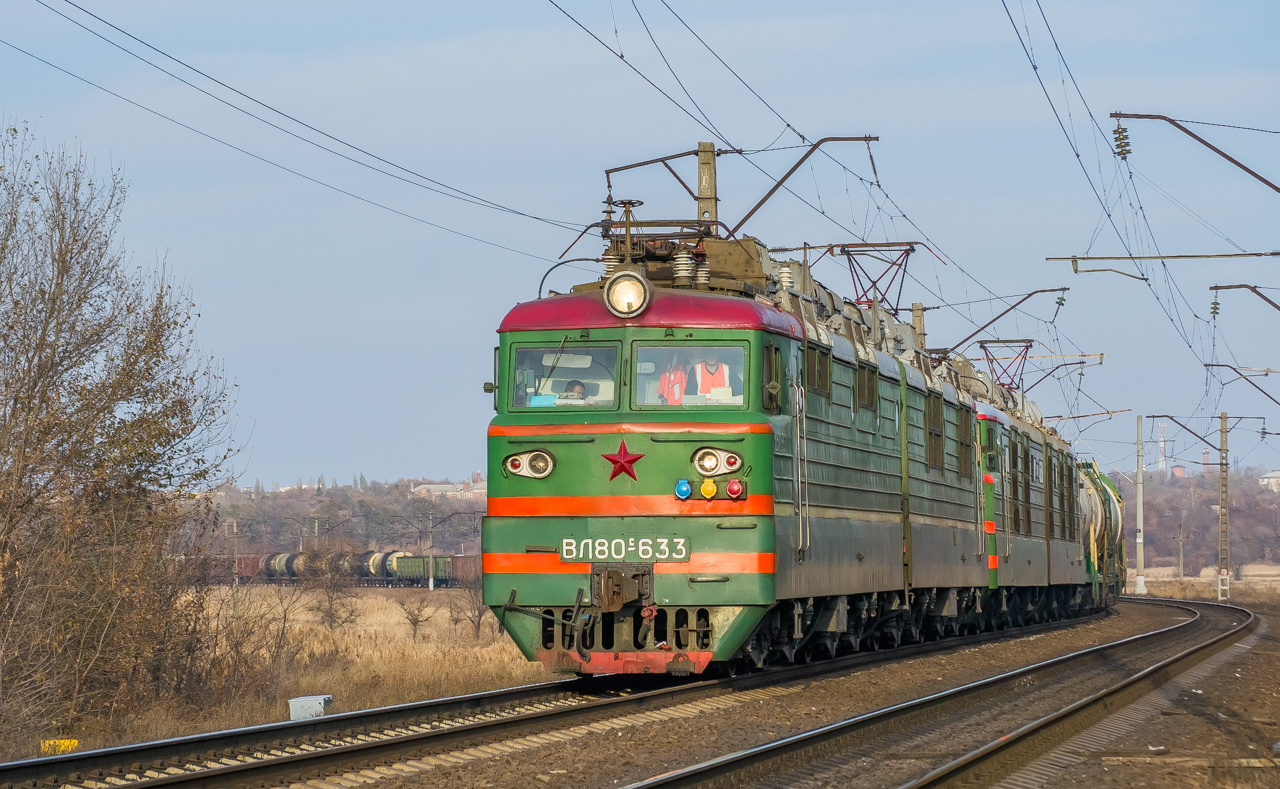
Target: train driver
(709, 374)
(575, 390)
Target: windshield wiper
(556, 361)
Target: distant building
(1270, 481)
(475, 487)
(1179, 472)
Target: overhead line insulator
(1122, 142)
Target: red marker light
(734, 489)
(514, 464)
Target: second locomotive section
(631, 504)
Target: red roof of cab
(674, 308)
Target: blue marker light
(683, 489)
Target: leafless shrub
(251, 640)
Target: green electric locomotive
(708, 459)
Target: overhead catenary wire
(274, 164)
(1055, 334)
(704, 124)
(866, 182)
(1170, 281)
(671, 69)
(1049, 327)
(1228, 126)
(444, 189)
(1171, 310)
(641, 74)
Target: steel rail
(42, 768)
(726, 769)
(1022, 744)
(189, 751)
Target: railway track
(975, 734)
(295, 751)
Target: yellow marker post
(58, 747)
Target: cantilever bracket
(1198, 139)
(1075, 269)
(778, 184)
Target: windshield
(689, 375)
(568, 376)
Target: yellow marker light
(708, 489)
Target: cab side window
(772, 380)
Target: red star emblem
(622, 461)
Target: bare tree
(417, 612)
(112, 427)
(333, 602)
(466, 604)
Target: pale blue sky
(359, 338)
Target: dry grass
(369, 663)
(1242, 592)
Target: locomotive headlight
(536, 464)
(627, 294)
(539, 465)
(713, 462)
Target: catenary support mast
(1224, 520)
(1140, 584)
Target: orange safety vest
(671, 386)
(708, 380)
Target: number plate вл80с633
(625, 549)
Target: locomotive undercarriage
(663, 639)
(798, 631)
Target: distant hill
(1254, 513)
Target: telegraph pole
(1224, 522)
(1140, 586)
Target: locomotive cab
(630, 524)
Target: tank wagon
(706, 458)
(371, 568)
